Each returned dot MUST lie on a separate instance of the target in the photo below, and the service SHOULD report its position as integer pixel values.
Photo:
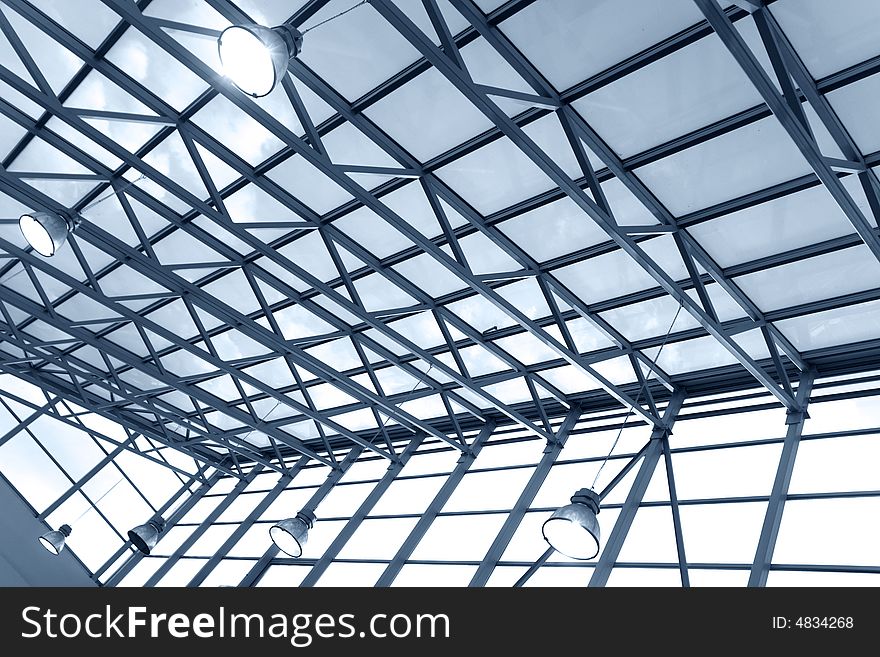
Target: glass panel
(651, 538)
(707, 577)
(142, 572)
(713, 430)
(843, 415)
(734, 472)
(378, 539)
(284, 575)
(722, 533)
(644, 577)
(90, 20)
(414, 574)
(240, 508)
(74, 450)
(210, 541)
(839, 532)
(813, 279)
(28, 468)
(553, 230)
(57, 64)
(428, 100)
(309, 185)
(830, 38)
(357, 51)
(182, 572)
(150, 65)
(171, 539)
(254, 543)
(575, 40)
(649, 318)
(459, 538)
(833, 327)
(320, 538)
(786, 223)
(485, 257)
(351, 574)
(688, 89)
(270, 12)
(483, 491)
(836, 464)
(287, 504)
(229, 572)
(577, 576)
(430, 276)
(620, 275)
(814, 579)
(344, 500)
(240, 133)
(705, 353)
(371, 232)
(753, 157)
(495, 176)
(850, 102)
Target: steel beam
(247, 523)
(87, 337)
(124, 422)
(146, 25)
(627, 514)
(514, 518)
(513, 132)
(689, 247)
(256, 573)
(99, 406)
(170, 521)
(427, 518)
(676, 516)
(362, 512)
(775, 507)
(804, 141)
(199, 531)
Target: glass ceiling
(454, 223)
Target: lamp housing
(53, 540)
(573, 529)
(255, 57)
(290, 535)
(144, 537)
(46, 232)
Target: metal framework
(347, 296)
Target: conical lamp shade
(54, 540)
(573, 529)
(290, 535)
(144, 537)
(46, 232)
(255, 58)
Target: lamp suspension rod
(638, 397)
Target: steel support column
(256, 573)
(636, 493)
(773, 517)
(358, 517)
(676, 516)
(248, 522)
(172, 520)
(424, 524)
(514, 518)
(206, 524)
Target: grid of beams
(240, 390)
